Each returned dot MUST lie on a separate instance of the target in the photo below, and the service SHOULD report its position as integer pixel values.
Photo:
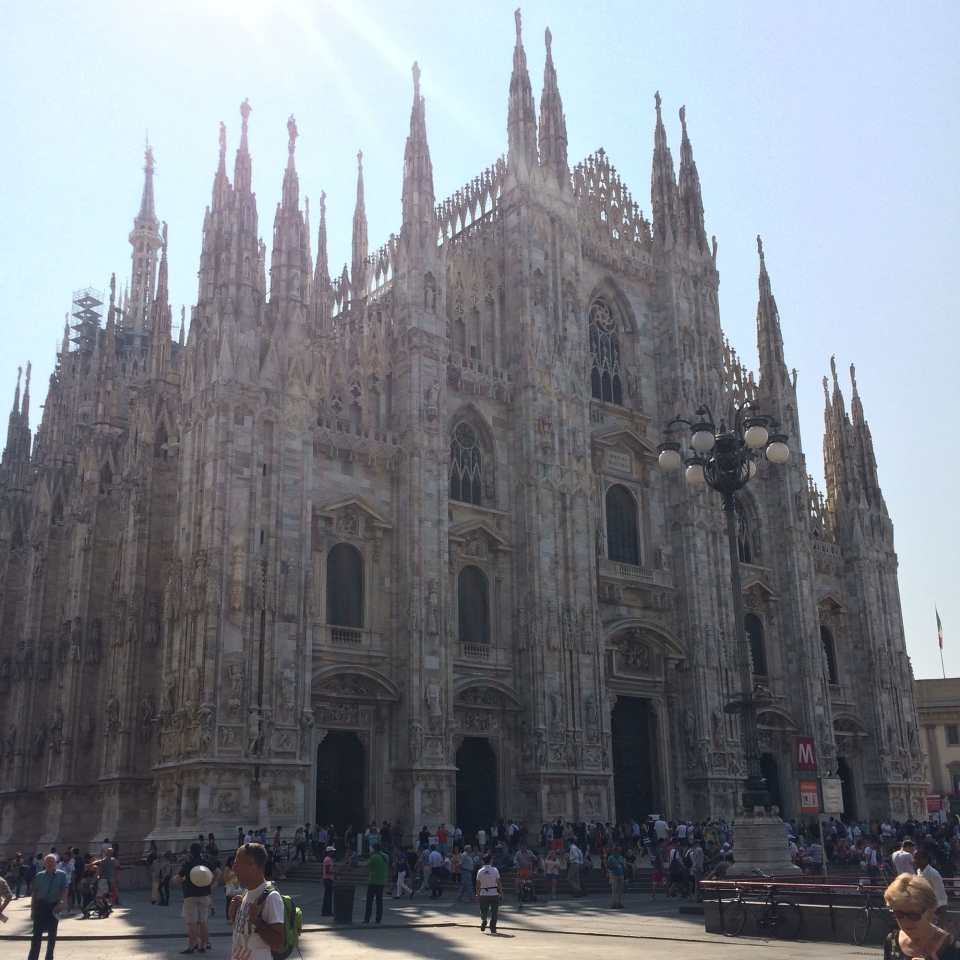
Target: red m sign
(806, 756)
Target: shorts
(196, 909)
(441, 848)
(557, 843)
(658, 878)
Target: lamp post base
(760, 843)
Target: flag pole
(940, 640)
(942, 667)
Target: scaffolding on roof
(87, 310)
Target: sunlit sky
(829, 128)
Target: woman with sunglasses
(913, 903)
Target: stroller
(525, 888)
(100, 902)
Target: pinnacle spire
(25, 409)
(773, 372)
(521, 113)
(322, 276)
(358, 264)
(418, 227)
(291, 184)
(688, 187)
(663, 184)
(146, 201)
(553, 124)
(243, 167)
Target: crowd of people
(680, 855)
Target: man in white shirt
(257, 916)
(903, 858)
(574, 863)
(932, 876)
(682, 833)
(661, 829)
(489, 893)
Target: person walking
(401, 866)
(466, 875)
(197, 900)
(903, 858)
(166, 873)
(574, 863)
(489, 892)
(46, 903)
(257, 916)
(327, 909)
(378, 864)
(615, 877)
(551, 867)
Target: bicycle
(873, 907)
(784, 916)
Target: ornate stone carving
(151, 633)
(112, 715)
(56, 731)
(235, 589)
(146, 716)
(234, 703)
(433, 609)
(432, 698)
(204, 724)
(415, 739)
(87, 727)
(291, 592)
(591, 716)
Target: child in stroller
(525, 888)
(99, 903)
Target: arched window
(466, 465)
(345, 586)
(472, 606)
(744, 543)
(605, 381)
(160, 442)
(622, 539)
(754, 630)
(830, 654)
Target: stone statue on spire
(516, 16)
(292, 132)
(759, 246)
(223, 141)
(416, 80)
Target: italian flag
(939, 628)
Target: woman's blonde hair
(909, 888)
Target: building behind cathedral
(396, 543)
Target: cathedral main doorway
(477, 807)
(341, 771)
(847, 789)
(633, 767)
(770, 772)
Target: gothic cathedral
(395, 544)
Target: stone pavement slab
(443, 929)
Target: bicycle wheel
(733, 917)
(786, 924)
(862, 927)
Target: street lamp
(726, 461)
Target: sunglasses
(912, 915)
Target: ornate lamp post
(725, 459)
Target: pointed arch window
(754, 631)
(345, 586)
(744, 542)
(605, 378)
(466, 465)
(829, 654)
(472, 606)
(622, 539)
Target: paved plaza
(420, 928)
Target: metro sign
(806, 754)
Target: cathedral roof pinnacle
(553, 124)
(146, 200)
(322, 276)
(358, 263)
(688, 188)
(521, 113)
(243, 168)
(418, 198)
(663, 183)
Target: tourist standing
(197, 900)
(401, 866)
(489, 892)
(466, 875)
(615, 876)
(574, 863)
(257, 916)
(46, 903)
(378, 864)
(551, 867)
(327, 909)
(903, 858)
(930, 873)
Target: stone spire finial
(416, 82)
(243, 168)
(553, 124)
(516, 17)
(291, 134)
(663, 184)
(360, 248)
(688, 188)
(418, 228)
(223, 144)
(521, 113)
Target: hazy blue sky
(829, 128)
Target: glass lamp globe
(703, 440)
(694, 474)
(755, 436)
(751, 470)
(778, 452)
(669, 460)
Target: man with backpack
(258, 915)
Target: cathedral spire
(145, 243)
(553, 124)
(663, 185)
(691, 202)
(322, 276)
(773, 372)
(160, 333)
(419, 202)
(291, 184)
(243, 166)
(25, 409)
(521, 113)
(358, 263)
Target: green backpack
(292, 922)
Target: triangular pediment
(377, 517)
(624, 438)
(757, 583)
(832, 602)
(480, 527)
